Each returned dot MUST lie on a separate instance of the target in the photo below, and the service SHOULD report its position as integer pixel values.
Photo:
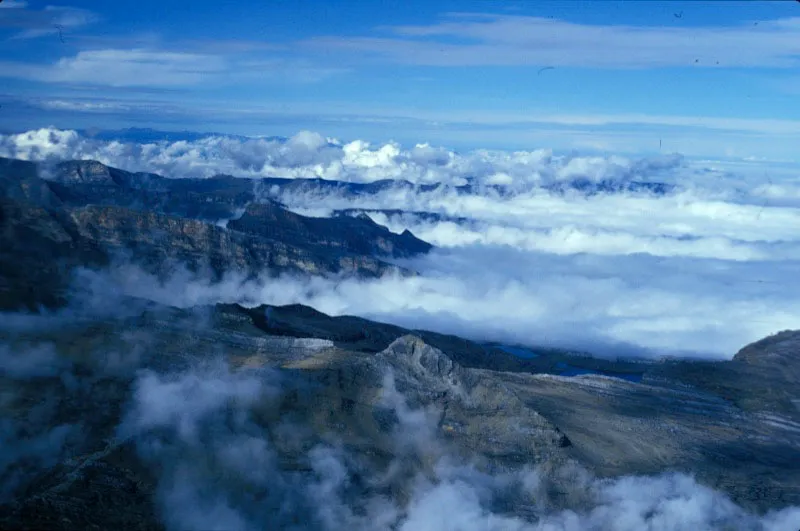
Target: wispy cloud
(332, 110)
(129, 68)
(13, 4)
(35, 23)
(84, 106)
(504, 40)
(159, 68)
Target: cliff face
(87, 213)
(344, 234)
(81, 182)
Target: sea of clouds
(522, 255)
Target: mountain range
(126, 413)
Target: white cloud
(283, 70)
(84, 106)
(123, 68)
(13, 4)
(184, 400)
(147, 67)
(521, 40)
(51, 20)
(634, 305)
(622, 133)
(310, 155)
(705, 268)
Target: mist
(577, 302)
(212, 436)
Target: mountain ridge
(89, 209)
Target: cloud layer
(542, 247)
(310, 155)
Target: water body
(566, 369)
(520, 352)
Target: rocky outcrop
(344, 234)
(356, 333)
(87, 213)
(39, 247)
(357, 399)
(84, 182)
(762, 376)
(408, 397)
(732, 424)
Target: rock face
(367, 401)
(762, 376)
(341, 234)
(84, 182)
(330, 394)
(88, 213)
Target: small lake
(566, 369)
(520, 352)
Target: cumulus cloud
(541, 248)
(310, 155)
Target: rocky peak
(422, 361)
(358, 235)
(19, 180)
(778, 352)
(84, 172)
(262, 212)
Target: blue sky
(702, 78)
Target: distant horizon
(184, 134)
(707, 79)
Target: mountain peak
(84, 172)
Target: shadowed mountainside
(334, 389)
(87, 213)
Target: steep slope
(89, 213)
(329, 395)
(84, 182)
(762, 376)
(358, 235)
(39, 248)
(390, 416)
